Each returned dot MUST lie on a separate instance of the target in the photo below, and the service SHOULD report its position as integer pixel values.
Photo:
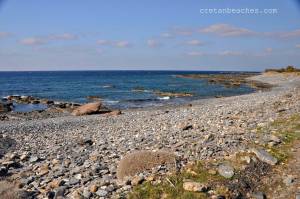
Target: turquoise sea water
(115, 88)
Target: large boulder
(87, 109)
(140, 161)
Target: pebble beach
(77, 156)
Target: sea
(117, 89)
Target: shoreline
(209, 129)
(163, 98)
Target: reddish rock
(87, 109)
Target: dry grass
(140, 161)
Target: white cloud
(122, 44)
(153, 43)
(167, 35)
(269, 50)
(5, 34)
(99, 51)
(226, 30)
(230, 53)
(103, 42)
(33, 41)
(119, 44)
(196, 53)
(64, 36)
(194, 42)
(184, 32)
(290, 34)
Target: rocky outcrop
(88, 109)
(229, 80)
(172, 94)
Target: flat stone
(226, 170)
(33, 159)
(76, 195)
(195, 187)
(60, 192)
(86, 193)
(264, 156)
(23, 157)
(73, 181)
(101, 193)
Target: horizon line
(20, 71)
(83, 70)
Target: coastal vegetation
(288, 69)
(247, 170)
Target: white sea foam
(111, 102)
(164, 98)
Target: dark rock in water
(45, 101)
(93, 97)
(35, 102)
(172, 94)
(138, 89)
(264, 156)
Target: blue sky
(147, 34)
